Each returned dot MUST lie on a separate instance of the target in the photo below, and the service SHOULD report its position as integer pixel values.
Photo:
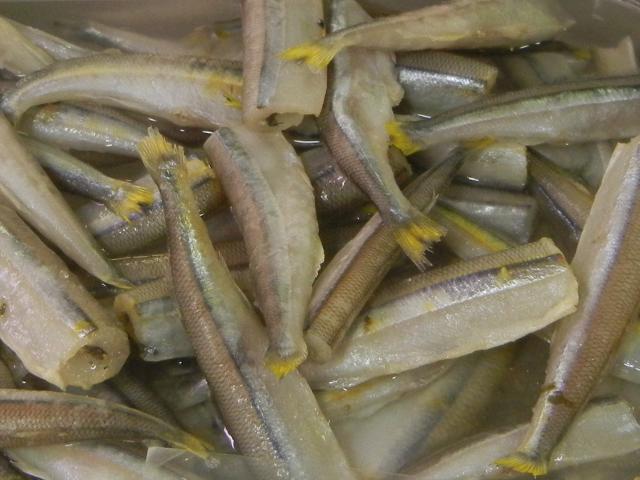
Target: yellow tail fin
(156, 152)
(400, 139)
(523, 463)
(316, 55)
(129, 200)
(415, 237)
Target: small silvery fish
(581, 111)
(188, 91)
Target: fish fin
(233, 101)
(281, 367)
(129, 200)
(157, 152)
(198, 447)
(523, 463)
(316, 55)
(400, 139)
(415, 236)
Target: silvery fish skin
(369, 397)
(465, 238)
(121, 237)
(83, 128)
(604, 430)
(362, 91)
(130, 41)
(57, 329)
(56, 47)
(510, 214)
(607, 266)
(389, 439)
(334, 191)
(122, 81)
(122, 198)
(627, 362)
(33, 418)
(30, 191)
(20, 55)
(434, 82)
(495, 299)
(277, 93)
(274, 205)
(349, 280)
(564, 200)
(275, 423)
(83, 460)
(499, 165)
(581, 111)
(455, 25)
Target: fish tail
(415, 235)
(400, 138)
(524, 463)
(282, 366)
(316, 55)
(158, 154)
(129, 199)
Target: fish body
(188, 91)
(275, 423)
(458, 24)
(277, 93)
(56, 47)
(274, 205)
(607, 266)
(408, 323)
(20, 56)
(30, 191)
(581, 111)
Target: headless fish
(607, 266)
(188, 91)
(580, 111)
(275, 423)
(454, 25)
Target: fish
(606, 266)
(49, 320)
(28, 189)
(276, 93)
(510, 214)
(459, 24)
(334, 191)
(565, 201)
(8, 472)
(495, 299)
(188, 91)
(21, 56)
(275, 423)
(273, 203)
(465, 238)
(582, 111)
(417, 417)
(349, 280)
(434, 81)
(617, 60)
(82, 460)
(362, 91)
(604, 430)
(33, 418)
(122, 198)
(122, 237)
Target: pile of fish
(320, 243)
